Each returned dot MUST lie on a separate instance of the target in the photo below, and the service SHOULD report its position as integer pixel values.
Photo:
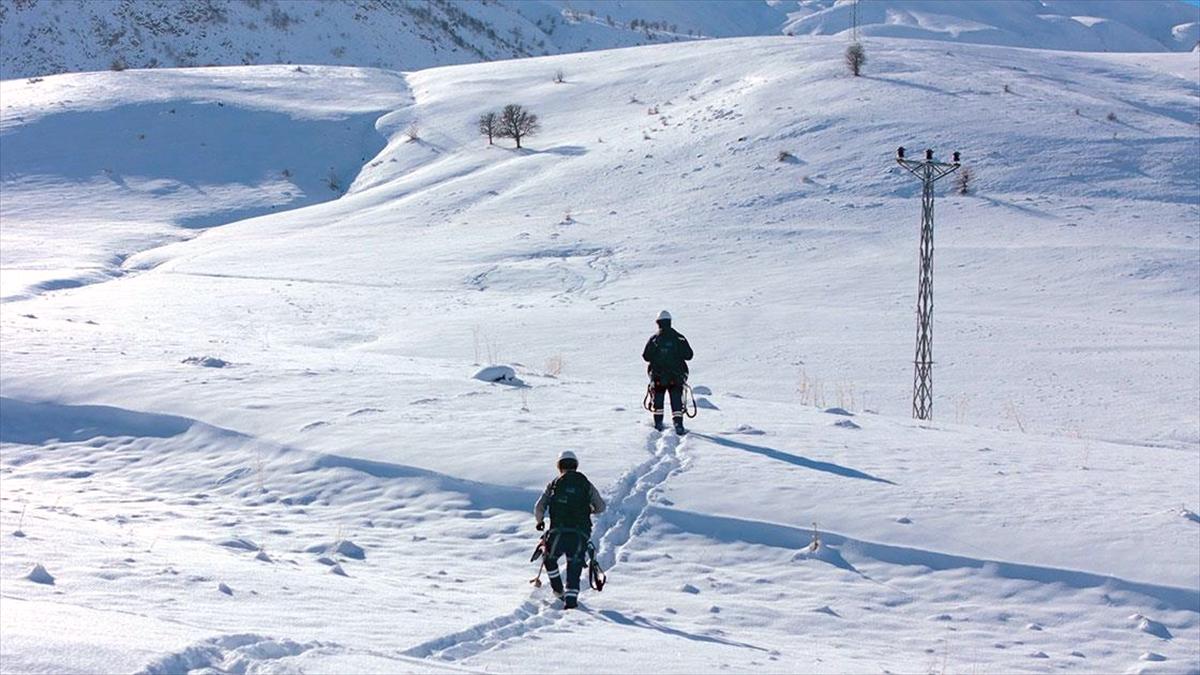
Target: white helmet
(567, 454)
(664, 316)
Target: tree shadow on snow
(564, 150)
(795, 460)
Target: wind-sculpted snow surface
(160, 156)
(1101, 26)
(341, 495)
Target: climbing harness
(690, 411)
(596, 576)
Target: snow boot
(571, 602)
(679, 428)
(658, 423)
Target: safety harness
(596, 576)
(648, 402)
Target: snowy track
(628, 506)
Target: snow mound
(701, 390)
(345, 547)
(206, 362)
(350, 550)
(1151, 627)
(240, 543)
(224, 588)
(499, 375)
(39, 575)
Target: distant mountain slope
(1072, 25)
(39, 37)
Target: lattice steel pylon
(929, 171)
(854, 22)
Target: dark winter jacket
(571, 500)
(666, 354)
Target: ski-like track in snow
(614, 529)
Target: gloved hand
(541, 525)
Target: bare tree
(856, 56)
(517, 123)
(559, 77)
(964, 181)
(489, 125)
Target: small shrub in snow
(332, 181)
(964, 181)
(1007, 89)
(856, 58)
(554, 365)
(559, 77)
(33, 80)
(118, 64)
(489, 125)
(652, 110)
(785, 156)
(1111, 117)
(413, 131)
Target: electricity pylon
(929, 171)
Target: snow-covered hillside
(195, 433)
(38, 37)
(1076, 25)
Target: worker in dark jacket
(666, 355)
(571, 499)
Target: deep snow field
(242, 308)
